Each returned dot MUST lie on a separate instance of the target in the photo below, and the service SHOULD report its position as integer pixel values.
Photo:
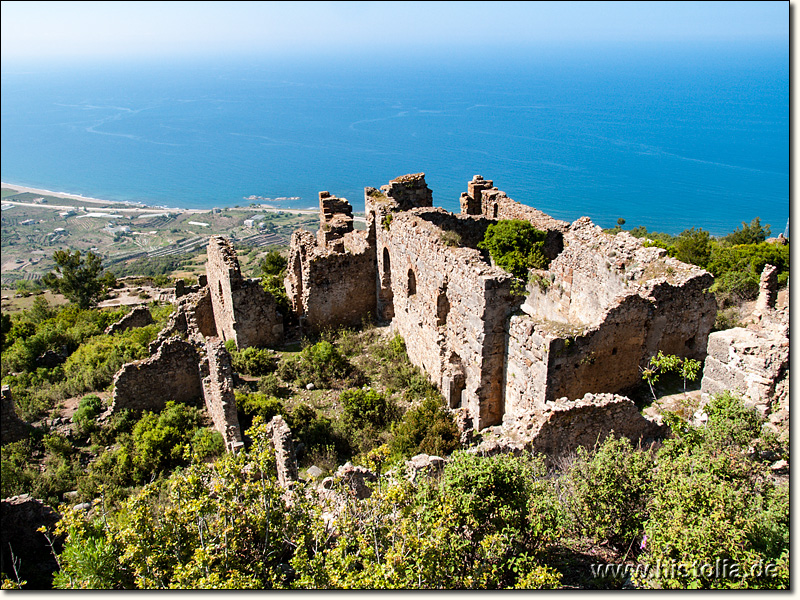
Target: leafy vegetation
(486, 522)
(78, 279)
(516, 246)
(273, 271)
(171, 509)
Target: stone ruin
(219, 396)
(138, 317)
(604, 306)
(754, 360)
(240, 303)
(170, 374)
(189, 362)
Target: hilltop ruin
(580, 331)
(605, 305)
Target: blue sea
(665, 136)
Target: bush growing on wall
(516, 246)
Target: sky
(130, 30)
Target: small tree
(754, 233)
(78, 279)
(273, 270)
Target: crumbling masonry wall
(604, 307)
(138, 317)
(285, 459)
(172, 373)
(566, 426)
(482, 198)
(754, 361)
(243, 311)
(219, 395)
(450, 306)
(330, 277)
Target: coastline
(131, 206)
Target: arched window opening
(412, 283)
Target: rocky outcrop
(138, 317)
(21, 543)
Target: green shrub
(737, 269)
(427, 428)
(713, 500)
(259, 404)
(206, 443)
(254, 361)
(159, 441)
(362, 407)
(606, 492)
(321, 364)
(516, 246)
(86, 414)
(273, 271)
(752, 233)
(270, 385)
(316, 432)
(18, 472)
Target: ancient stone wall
(328, 287)
(450, 306)
(601, 310)
(409, 191)
(243, 311)
(285, 459)
(12, 428)
(218, 393)
(566, 426)
(482, 198)
(754, 364)
(604, 307)
(138, 317)
(336, 218)
(172, 373)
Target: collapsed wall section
(243, 311)
(567, 426)
(172, 373)
(330, 277)
(604, 307)
(138, 317)
(219, 396)
(450, 306)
